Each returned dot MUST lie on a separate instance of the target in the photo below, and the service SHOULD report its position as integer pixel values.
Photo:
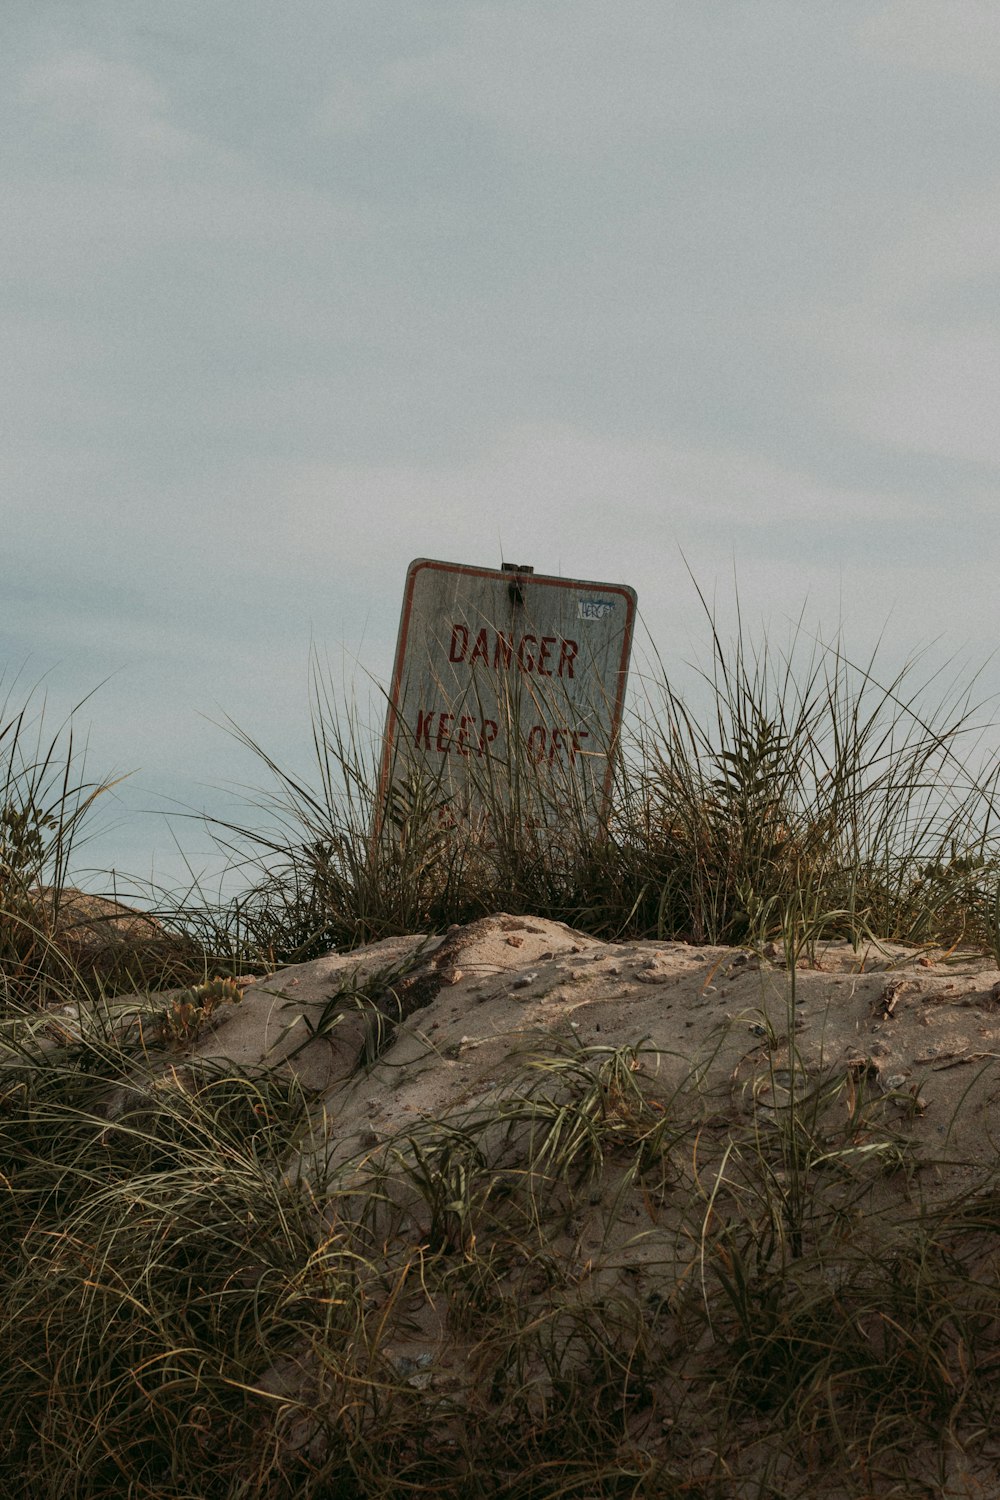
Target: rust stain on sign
(505, 683)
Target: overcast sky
(294, 293)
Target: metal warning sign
(507, 692)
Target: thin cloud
(575, 75)
(961, 37)
(916, 354)
(930, 392)
(568, 491)
(118, 105)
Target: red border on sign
(417, 566)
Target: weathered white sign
(507, 688)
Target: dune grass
(586, 1287)
(805, 790)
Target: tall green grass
(803, 788)
(45, 802)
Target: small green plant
(187, 1012)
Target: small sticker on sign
(594, 609)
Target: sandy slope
(924, 1028)
(892, 1054)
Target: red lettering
(577, 749)
(459, 638)
(490, 730)
(463, 736)
(480, 651)
(555, 745)
(567, 656)
(536, 743)
(424, 728)
(443, 738)
(532, 655)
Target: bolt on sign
(506, 696)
